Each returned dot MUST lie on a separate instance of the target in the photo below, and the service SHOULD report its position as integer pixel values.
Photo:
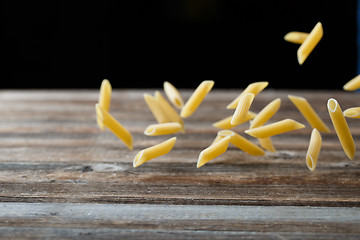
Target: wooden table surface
(61, 177)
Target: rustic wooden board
(52, 154)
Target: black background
(141, 43)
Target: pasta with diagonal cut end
(310, 43)
(309, 113)
(266, 113)
(352, 112)
(353, 84)
(226, 122)
(254, 88)
(114, 126)
(104, 99)
(313, 149)
(213, 151)
(162, 129)
(196, 98)
(154, 152)
(276, 128)
(296, 37)
(242, 109)
(341, 128)
(173, 95)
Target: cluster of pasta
(171, 122)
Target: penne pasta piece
(162, 129)
(242, 143)
(223, 133)
(352, 112)
(254, 88)
(276, 128)
(154, 152)
(173, 95)
(296, 37)
(310, 43)
(168, 110)
(104, 99)
(309, 114)
(226, 122)
(313, 149)
(267, 144)
(242, 109)
(196, 98)
(266, 113)
(341, 128)
(213, 151)
(156, 109)
(353, 84)
(114, 126)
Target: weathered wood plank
(180, 221)
(52, 151)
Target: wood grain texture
(52, 152)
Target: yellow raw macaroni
(266, 113)
(214, 150)
(104, 99)
(276, 128)
(296, 37)
(341, 128)
(313, 149)
(111, 123)
(226, 122)
(254, 88)
(173, 95)
(196, 98)
(352, 112)
(154, 152)
(156, 109)
(309, 114)
(267, 144)
(162, 129)
(242, 109)
(168, 110)
(242, 143)
(353, 84)
(310, 43)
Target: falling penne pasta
(353, 84)
(266, 113)
(310, 43)
(254, 88)
(242, 143)
(173, 95)
(104, 99)
(154, 152)
(196, 98)
(313, 149)
(276, 128)
(156, 109)
(114, 126)
(213, 151)
(162, 129)
(296, 37)
(226, 122)
(309, 114)
(341, 128)
(352, 112)
(242, 109)
(267, 144)
(168, 110)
